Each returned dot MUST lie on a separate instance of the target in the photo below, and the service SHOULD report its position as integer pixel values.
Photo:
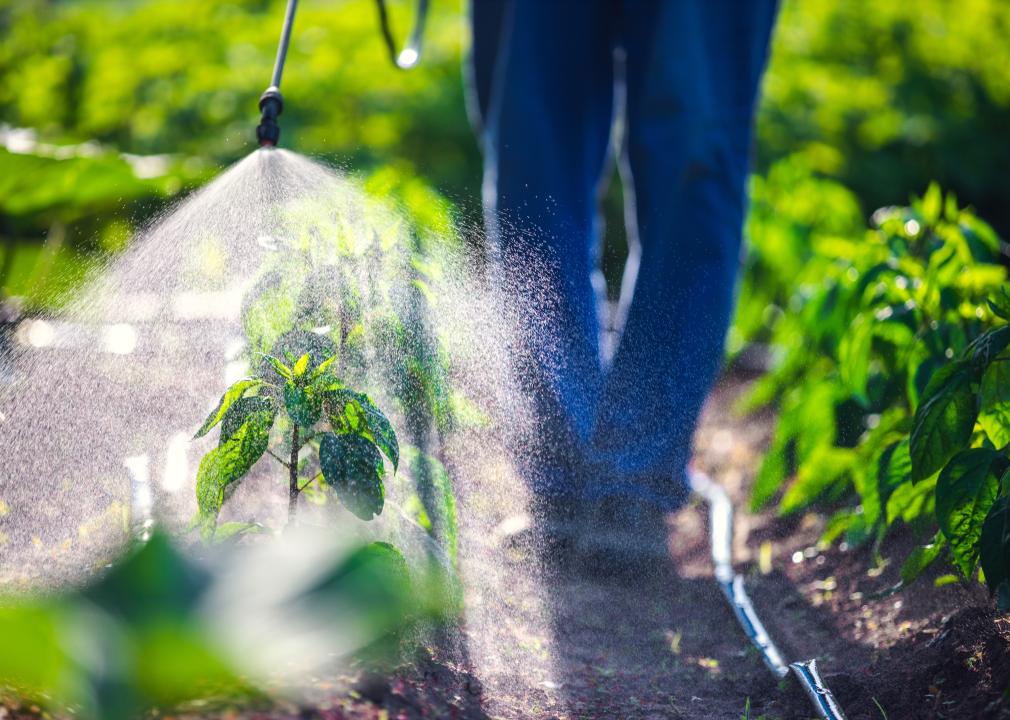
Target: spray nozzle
(268, 132)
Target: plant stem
(276, 457)
(293, 475)
(309, 482)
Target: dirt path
(667, 646)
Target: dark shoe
(623, 535)
(552, 526)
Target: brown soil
(664, 644)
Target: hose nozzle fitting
(268, 132)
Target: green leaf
(209, 496)
(352, 466)
(231, 530)
(984, 349)
(356, 413)
(240, 412)
(994, 544)
(994, 401)
(999, 303)
(911, 501)
(932, 204)
(231, 395)
(893, 469)
(155, 580)
(920, 559)
(374, 585)
(825, 467)
(770, 476)
(323, 366)
(303, 404)
(944, 419)
(854, 355)
(301, 366)
(296, 343)
(283, 370)
(965, 490)
(231, 460)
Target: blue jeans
(548, 77)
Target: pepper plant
(893, 388)
(311, 408)
(346, 276)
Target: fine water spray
(271, 103)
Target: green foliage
(127, 104)
(345, 305)
(354, 413)
(994, 548)
(352, 466)
(235, 392)
(131, 102)
(239, 448)
(889, 384)
(944, 419)
(142, 639)
(136, 644)
(884, 95)
(965, 490)
(350, 462)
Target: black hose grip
(268, 132)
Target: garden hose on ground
(271, 103)
(732, 584)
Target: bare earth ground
(666, 645)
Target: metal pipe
(721, 536)
(282, 48)
(271, 103)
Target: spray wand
(271, 104)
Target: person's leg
(546, 128)
(693, 69)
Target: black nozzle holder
(268, 132)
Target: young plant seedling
(311, 408)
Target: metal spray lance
(271, 103)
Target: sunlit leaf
(965, 490)
(921, 558)
(894, 468)
(818, 473)
(944, 419)
(231, 460)
(299, 368)
(352, 412)
(241, 411)
(994, 400)
(231, 395)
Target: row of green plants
(856, 88)
(892, 384)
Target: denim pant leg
(547, 112)
(693, 69)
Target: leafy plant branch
(313, 403)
